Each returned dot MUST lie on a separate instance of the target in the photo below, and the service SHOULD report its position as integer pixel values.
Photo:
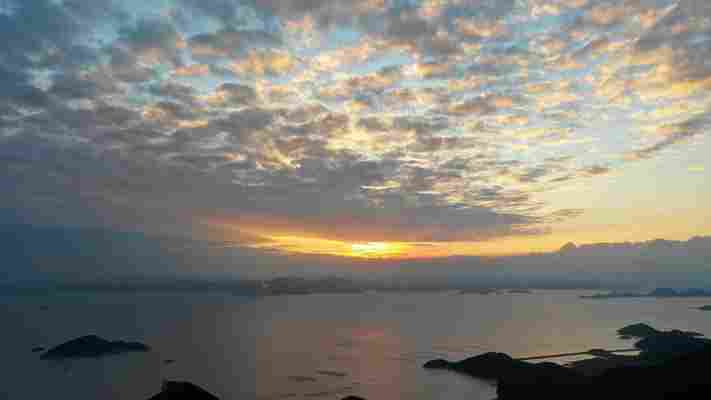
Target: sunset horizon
(355, 199)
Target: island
(705, 308)
(670, 364)
(656, 293)
(498, 366)
(476, 290)
(520, 291)
(92, 346)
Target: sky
(368, 129)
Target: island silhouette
(92, 346)
(670, 365)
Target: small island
(520, 291)
(482, 291)
(92, 346)
(705, 308)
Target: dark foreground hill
(684, 377)
(671, 365)
(174, 390)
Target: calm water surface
(307, 347)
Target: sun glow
(375, 249)
(293, 240)
(270, 236)
(311, 245)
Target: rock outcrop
(638, 330)
(175, 390)
(500, 366)
(656, 345)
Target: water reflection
(320, 346)
(329, 358)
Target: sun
(374, 249)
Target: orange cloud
(484, 28)
(192, 70)
(268, 62)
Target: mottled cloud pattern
(358, 120)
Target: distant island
(296, 285)
(705, 308)
(670, 364)
(483, 291)
(486, 290)
(275, 286)
(658, 293)
(520, 291)
(92, 346)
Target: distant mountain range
(90, 255)
(695, 245)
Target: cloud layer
(355, 120)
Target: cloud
(152, 41)
(596, 170)
(607, 14)
(229, 43)
(242, 125)
(226, 11)
(671, 135)
(192, 70)
(422, 120)
(482, 105)
(175, 91)
(482, 29)
(125, 66)
(232, 94)
(533, 174)
(260, 63)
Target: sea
(319, 346)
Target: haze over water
(308, 347)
